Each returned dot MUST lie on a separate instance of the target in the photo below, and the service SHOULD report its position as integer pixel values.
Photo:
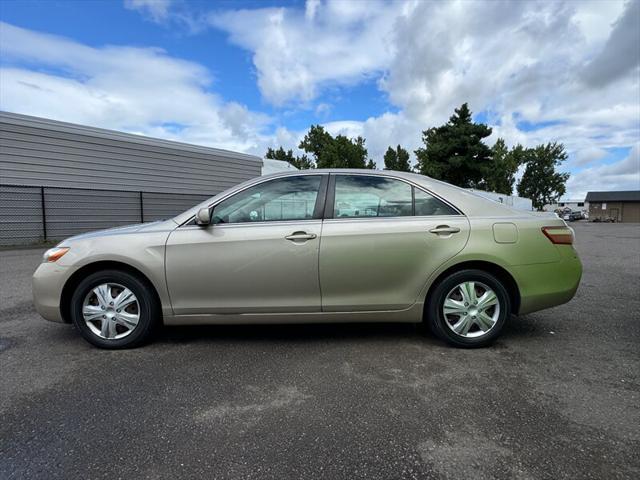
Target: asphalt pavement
(558, 396)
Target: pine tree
(397, 159)
(454, 152)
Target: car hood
(123, 230)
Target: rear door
(381, 239)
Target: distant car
(315, 246)
(572, 216)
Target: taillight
(559, 235)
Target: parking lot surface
(557, 396)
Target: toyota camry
(315, 246)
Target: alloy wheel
(471, 309)
(111, 311)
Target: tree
(540, 181)
(303, 162)
(335, 152)
(454, 152)
(397, 159)
(500, 176)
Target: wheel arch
(77, 276)
(494, 269)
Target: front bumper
(546, 285)
(47, 283)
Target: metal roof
(72, 128)
(42, 152)
(621, 196)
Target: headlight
(55, 254)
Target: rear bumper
(47, 283)
(546, 285)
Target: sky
(250, 75)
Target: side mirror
(203, 217)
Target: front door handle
(300, 236)
(444, 230)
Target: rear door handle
(444, 230)
(299, 236)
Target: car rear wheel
(468, 308)
(114, 309)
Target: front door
(382, 241)
(259, 255)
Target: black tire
(437, 322)
(149, 310)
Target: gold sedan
(315, 246)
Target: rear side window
(365, 196)
(429, 205)
(362, 196)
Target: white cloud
(621, 175)
(156, 10)
(296, 53)
(322, 109)
(593, 15)
(589, 155)
(570, 70)
(518, 61)
(380, 132)
(140, 90)
(169, 13)
(311, 7)
(621, 53)
(513, 59)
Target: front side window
(289, 198)
(368, 196)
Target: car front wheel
(468, 308)
(114, 309)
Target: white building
(513, 201)
(574, 205)
(273, 166)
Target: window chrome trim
(276, 223)
(395, 219)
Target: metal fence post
(44, 214)
(141, 208)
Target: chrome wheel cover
(111, 311)
(471, 309)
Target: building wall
(574, 205)
(275, 166)
(59, 179)
(626, 212)
(35, 151)
(631, 212)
